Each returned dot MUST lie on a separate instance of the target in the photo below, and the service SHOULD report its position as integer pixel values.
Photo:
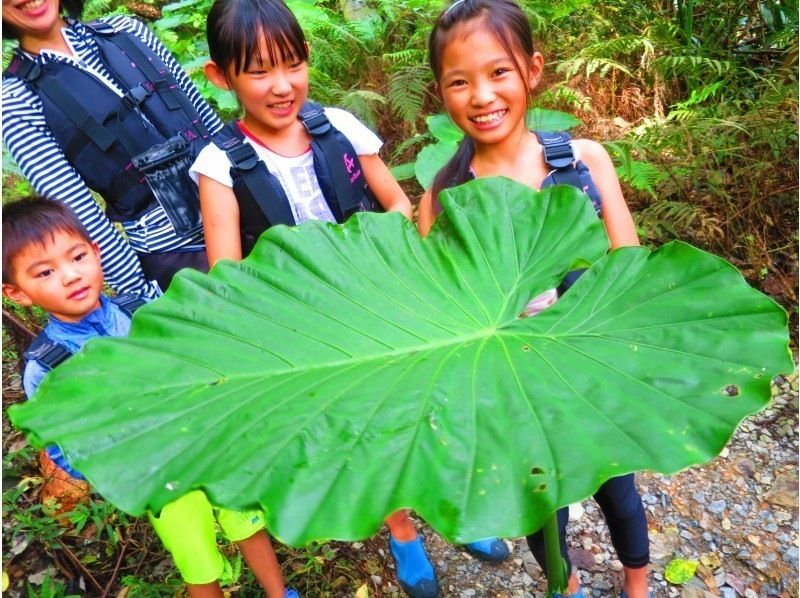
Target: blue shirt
(107, 320)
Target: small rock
(791, 556)
(735, 583)
(784, 490)
(718, 507)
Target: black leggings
(622, 507)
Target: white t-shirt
(296, 174)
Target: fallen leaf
(19, 545)
(679, 571)
(362, 592)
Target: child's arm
(220, 212)
(385, 187)
(425, 215)
(616, 215)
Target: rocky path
(737, 517)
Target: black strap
(128, 303)
(29, 71)
(47, 352)
(50, 353)
(328, 148)
(254, 176)
(558, 152)
(169, 91)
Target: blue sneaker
(414, 570)
(578, 594)
(492, 550)
(291, 593)
(622, 594)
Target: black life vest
(99, 132)
(261, 198)
(566, 170)
(559, 155)
(50, 353)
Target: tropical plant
(326, 385)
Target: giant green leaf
(342, 372)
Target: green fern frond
(590, 66)
(363, 103)
(407, 88)
(692, 65)
(408, 144)
(565, 97)
(699, 96)
(408, 57)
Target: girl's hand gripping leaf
(342, 372)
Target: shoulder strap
(328, 148)
(557, 149)
(128, 303)
(252, 179)
(30, 71)
(172, 95)
(24, 67)
(560, 157)
(47, 352)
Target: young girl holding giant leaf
(482, 57)
(288, 161)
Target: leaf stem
(556, 567)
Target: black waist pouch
(166, 168)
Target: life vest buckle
(315, 122)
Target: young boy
(50, 261)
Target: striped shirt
(43, 163)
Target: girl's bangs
(283, 42)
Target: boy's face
(63, 276)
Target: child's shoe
(492, 550)
(414, 570)
(622, 594)
(578, 594)
(291, 593)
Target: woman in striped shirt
(77, 56)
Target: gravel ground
(736, 516)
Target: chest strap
(565, 170)
(252, 179)
(327, 149)
(170, 93)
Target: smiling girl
(485, 66)
(258, 51)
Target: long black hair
(508, 23)
(235, 29)
(70, 8)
